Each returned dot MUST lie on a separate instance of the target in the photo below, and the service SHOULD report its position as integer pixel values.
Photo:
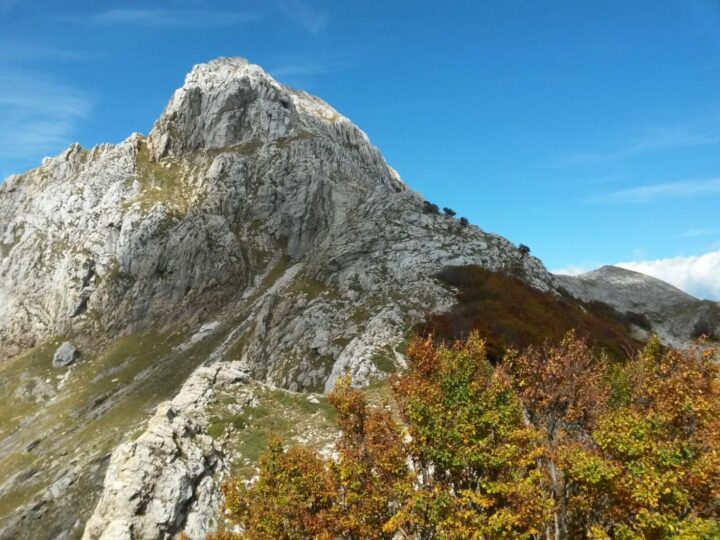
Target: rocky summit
(232, 264)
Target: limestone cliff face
(241, 180)
(254, 225)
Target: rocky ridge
(166, 480)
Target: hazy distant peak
(620, 277)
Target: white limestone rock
(166, 480)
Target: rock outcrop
(166, 480)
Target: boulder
(65, 355)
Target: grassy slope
(296, 418)
(106, 400)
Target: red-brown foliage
(510, 314)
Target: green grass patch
(275, 273)
(160, 183)
(284, 142)
(243, 149)
(111, 391)
(313, 288)
(285, 414)
(383, 363)
(360, 315)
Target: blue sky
(589, 131)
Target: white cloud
(17, 52)
(699, 275)
(649, 140)
(642, 194)
(38, 114)
(187, 18)
(572, 270)
(311, 19)
(694, 233)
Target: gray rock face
(240, 182)
(675, 316)
(65, 355)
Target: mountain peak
(621, 277)
(229, 101)
(225, 102)
(223, 70)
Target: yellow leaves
(597, 533)
(496, 450)
(473, 497)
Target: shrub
(535, 447)
(511, 314)
(449, 211)
(464, 222)
(703, 329)
(430, 208)
(523, 249)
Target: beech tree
(554, 442)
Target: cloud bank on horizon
(698, 275)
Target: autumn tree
(652, 466)
(554, 442)
(477, 462)
(371, 473)
(563, 390)
(632, 449)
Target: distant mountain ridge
(674, 315)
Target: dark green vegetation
(510, 313)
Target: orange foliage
(563, 387)
(555, 443)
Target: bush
(464, 222)
(430, 208)
(703, 329)
(523, 249)
(511, 314)
(449, 211)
